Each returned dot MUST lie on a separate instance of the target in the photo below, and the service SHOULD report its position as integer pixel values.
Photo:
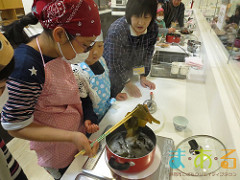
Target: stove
(101, 168)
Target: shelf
(10, 4)
(10, 15)
(11, 10)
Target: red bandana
(77, 17)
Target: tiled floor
(27, 159)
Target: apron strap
(40, 51)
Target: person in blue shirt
(92, 77)
(101, 82)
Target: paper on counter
(194, 61)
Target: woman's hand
(82, 142)
(133, 90)
(90, 127)
(146, 83)
(121, 97)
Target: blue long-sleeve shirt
(123, 52)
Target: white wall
(224, 122)
(27, 5)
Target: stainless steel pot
(193, 45)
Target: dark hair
(14, 32)
(7, 70)
(140, 7)
(48, 32)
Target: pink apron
(59, 106)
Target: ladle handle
(118, 166)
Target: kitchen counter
(173, 98)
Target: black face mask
(97, 68)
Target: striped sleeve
(10, 169)
(18, 111)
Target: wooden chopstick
(109, 131)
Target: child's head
(160, 13)
(72, 24)
(140, 14)
(6, 61)
(97, 51)
(94, 56)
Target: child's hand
(82, 142)
(121, 97)
(90, 127)
(171, 30)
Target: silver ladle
(151, 104)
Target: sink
(162, 64)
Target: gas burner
(160, 171)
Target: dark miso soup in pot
(135, 146)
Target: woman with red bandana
(44, 105)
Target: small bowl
(180, 123)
